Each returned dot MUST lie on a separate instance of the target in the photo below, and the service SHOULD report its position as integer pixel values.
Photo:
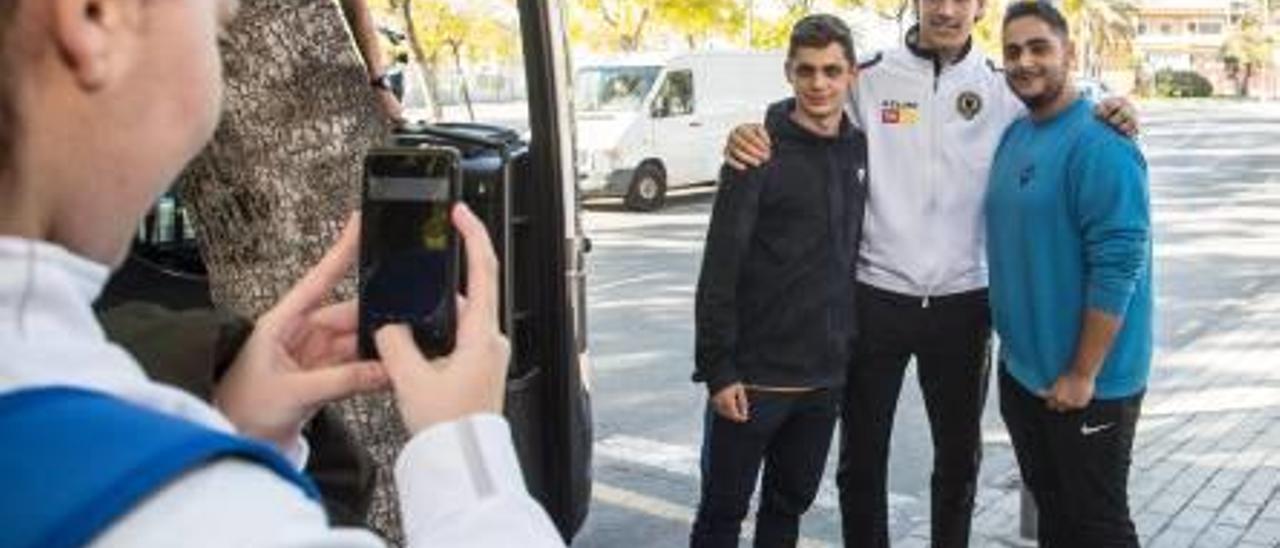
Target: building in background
(1188, 35)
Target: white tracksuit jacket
(932, 132)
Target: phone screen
(408, 248)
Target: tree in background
(772, 34)
(699, 20)
(1100, 28)
(614, 25)
(627, 25)
(986, 32)
(896, 10)
(445, 33)
(1246, 52)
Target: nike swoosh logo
(1086, 430)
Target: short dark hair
(8, 110)
(819, 31)
(1041, 10)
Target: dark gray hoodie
(775, 296)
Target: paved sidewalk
(1206, 465)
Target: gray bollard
(1028, 522)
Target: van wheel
(648, 189)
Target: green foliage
(698, 20)
(1101, 28)
(614, 25)
(1248, 45)
(441, 25)
(624, 25)
(1182, 83)
(986, 32)
(774, 34)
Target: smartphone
(408, 246)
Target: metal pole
(1028, 516)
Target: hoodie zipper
(937, 71)
(931, 176)
(932, 137)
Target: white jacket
(932, 133)
(459, 483)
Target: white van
(649, 123)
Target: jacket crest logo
(969, 104)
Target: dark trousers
(1076, 465)
(950, 339)
(791, 433)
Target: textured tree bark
(270, 193)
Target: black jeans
(1076, 465)
(791, 433)
(950, 339)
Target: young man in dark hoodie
(774, 329)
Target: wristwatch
(381, 81)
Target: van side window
(676, 97)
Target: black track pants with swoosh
(1076, 466)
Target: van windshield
(612, 88)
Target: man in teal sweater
(1069, 245)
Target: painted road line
(667, 510)
(683, 460)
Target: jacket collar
(912, 41)
(779, 123)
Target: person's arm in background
(1117, 111)
(360, 20)
(749, 145)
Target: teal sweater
(1069, 229)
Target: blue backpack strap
(73, 461)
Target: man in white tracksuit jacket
(933, 110)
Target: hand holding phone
(301, 355)
(471, 379)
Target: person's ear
(786, 71)
(91, 37)
(1071, 51)
(982, 11)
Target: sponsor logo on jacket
(904, 113)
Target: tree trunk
(282, 174)
(1086, 41)
(456, 47)
(426, 63)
